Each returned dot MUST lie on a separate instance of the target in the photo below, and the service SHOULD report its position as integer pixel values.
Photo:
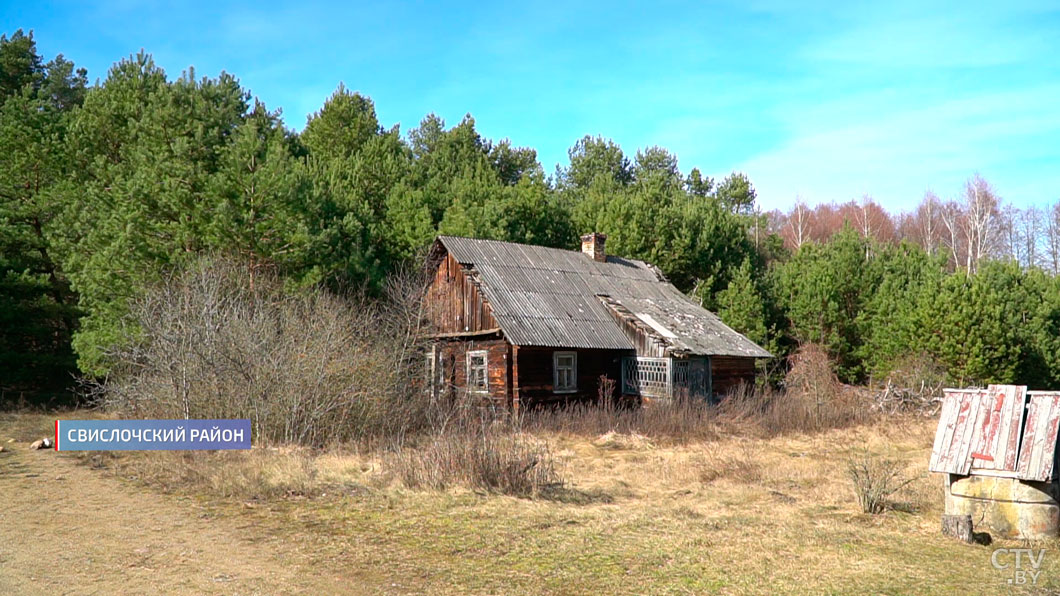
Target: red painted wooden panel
(997, 437)
(1038, 448)
(978, 428)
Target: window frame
(573, 387)
(485, 389)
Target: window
(477, 380)
(646, 376)
(564, 371)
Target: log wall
(452, 356)
(729, 371)
(535, 380)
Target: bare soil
(68, 529)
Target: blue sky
(823, 101)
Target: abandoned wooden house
(523, 325)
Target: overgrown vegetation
(223, 340)
(482, 455)
(737, 514)
(105, 189)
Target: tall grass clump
(480, 453)
(678, 420)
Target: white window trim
(485, 370)
(555, 372)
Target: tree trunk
(958, 526)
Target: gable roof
(560, 298)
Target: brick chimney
(593, 246)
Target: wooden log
(959, 527)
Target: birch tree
(980, 222)
(798, 225)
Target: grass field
(734, 515)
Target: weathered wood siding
(646, 340)
(729, 371)
(998, 440)
(455, 302)
(979, 430)
(535, 379)
(1037, 456)
(453, 362)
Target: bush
(221, 340)
(875, 480)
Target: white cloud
(895, 155)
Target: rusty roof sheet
(549, 297)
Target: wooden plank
(977, 428)
(450, 334)
(961, 413)
(1017, 412)
(516, 391)
(944, 432)
(1038, 448)
(996, 440)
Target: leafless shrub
(875, 480)
(305, 367)
(606, 390)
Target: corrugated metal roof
(549, 297)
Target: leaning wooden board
(998, 433)
(1038, 448)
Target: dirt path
(67, 529)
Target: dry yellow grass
(731, 516)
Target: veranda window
(646, 376)
(666, 377)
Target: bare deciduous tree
(928, 225)
(798, 224)
(1031, 226)
(980, 222)
(1052, 238)
(952, 218)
